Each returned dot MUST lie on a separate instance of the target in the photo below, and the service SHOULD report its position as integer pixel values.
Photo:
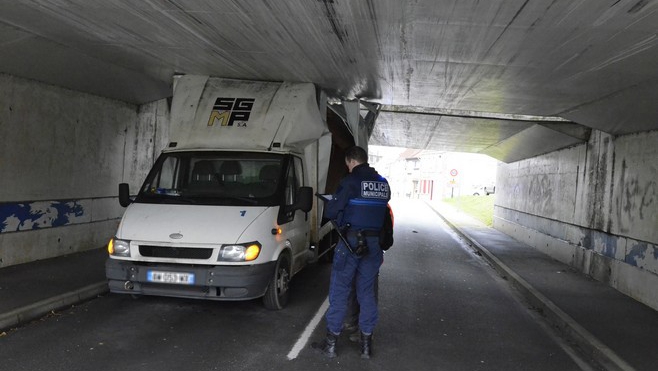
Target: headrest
(203, 167)
(230, 168)
(269, 173)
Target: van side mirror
(304, 199)
(124, 194)
(304, 202)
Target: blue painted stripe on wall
(25, 216)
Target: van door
(297, 231)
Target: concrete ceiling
(509, 78)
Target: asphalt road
(441, 308)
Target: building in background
(433, 175)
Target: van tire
(276, 295)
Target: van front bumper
(238, 282)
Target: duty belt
(365, 232)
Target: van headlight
(239, 252)
(119, 247)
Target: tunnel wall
(593, 206)
(62, 155)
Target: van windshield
(215, 178)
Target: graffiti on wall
(540, 192)
(16, 217)
(637, 201)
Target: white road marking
(303, 339)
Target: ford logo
(175, 236)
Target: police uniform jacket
(360, 200)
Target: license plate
(170, 277)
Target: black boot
(366, 346)
(328, 346)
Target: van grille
(175, 252)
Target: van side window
(291, 186)
(294, 180)
(167, 177)
(299, 171)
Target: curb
(567, 326)
(43, 307)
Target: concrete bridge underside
(562, 92)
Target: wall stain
(600, 180)
(406, 58)
(638, 6)
(587, 240)
(541, 190)
(648, 198)
(609, 245)
(631, 187)
(637, 253)
(37, 215)
(337, 28)
(375, 27)
(601, 242)
(507, 26)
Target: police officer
(358, 208)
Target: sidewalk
(615, 330)
(31, 290)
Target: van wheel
(276, 296)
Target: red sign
(453, 172)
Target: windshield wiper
(252, 201)
(169, 199)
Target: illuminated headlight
(119, 247)
(239, 253)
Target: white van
(227, 212)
